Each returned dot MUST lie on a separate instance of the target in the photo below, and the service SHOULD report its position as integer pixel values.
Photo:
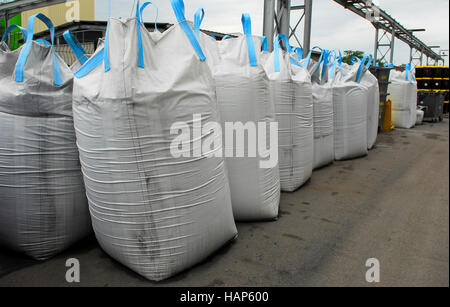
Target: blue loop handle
(338, 57)
(299, 52)
(325, 62)
(12, 27)
(43, 42)
(26, 49)
(226, 37)
(356, 60)
(139, 37)
(332, 54)
(264, 46)
(408, 69)
(308, 57)
(106, 45)
(334, 62)
(198, 19)
(369, 61)
(178, 9)
(92, 63)
(293, 61)
(276, 53)
(247, 25)
(75, 45)
(141, 11)
(286, 42)
(141, 63)
(276, 49)
(362, 63)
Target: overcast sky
(333, 26)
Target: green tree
(2, 29)
(349, 54)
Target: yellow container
(387, 121)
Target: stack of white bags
(243, 96)
(322, 93)
(129, 132)
(291, 92)
(403, 94)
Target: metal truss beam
(383, 21)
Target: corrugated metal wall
(62, 13)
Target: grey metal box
(433, 105)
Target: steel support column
(415, 57)
(8, 38)
(269, 22)
(278, 17)
(392, 45)
(284, 15)
(308, 25)
(410, 55)
(375, 52)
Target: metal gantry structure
(277, 19)
(388, 29)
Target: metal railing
(63, 50)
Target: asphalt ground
(392, 205)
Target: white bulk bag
(350, 113)
(403, 94)
(373, 104)
(419, 117)
(43, 206)
(207, 42)
(157, 208)
(3, 44)
(265, 54)
(323, 125)
(322, 93)
(292, 94)
(244, 97)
